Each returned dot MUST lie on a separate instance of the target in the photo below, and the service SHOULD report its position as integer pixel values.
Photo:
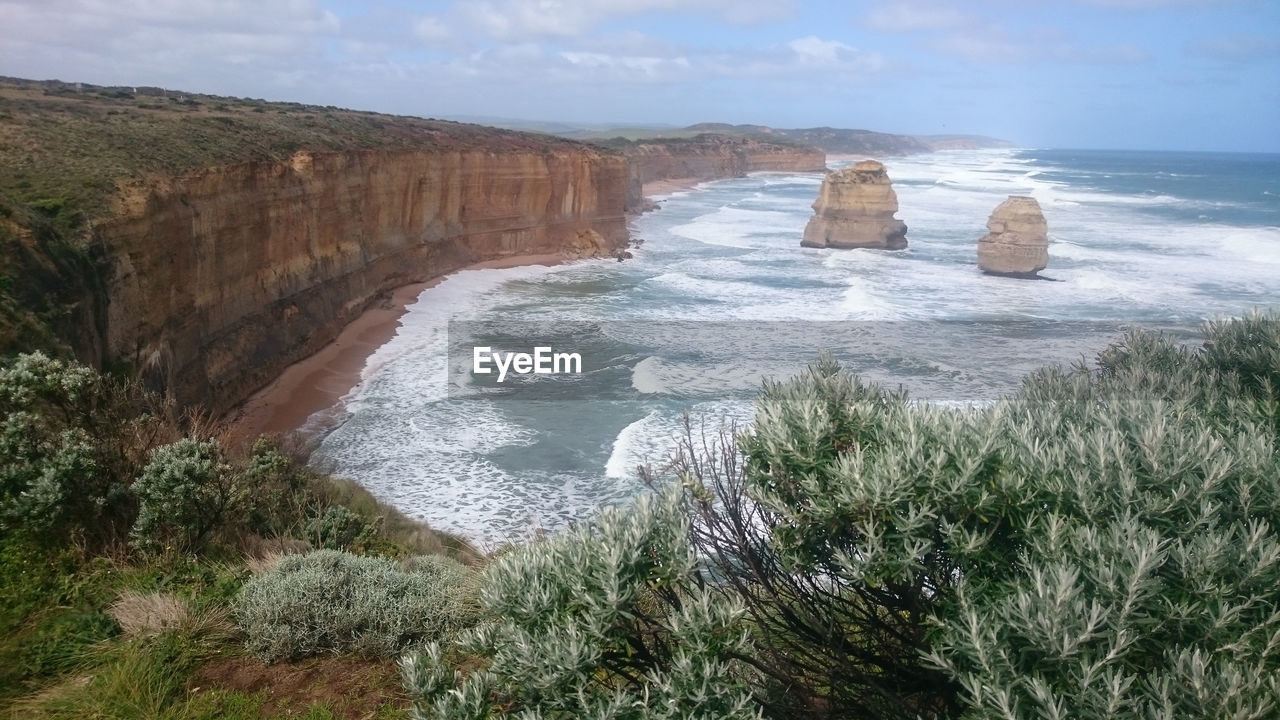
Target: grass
(65, 148)
(150, 638)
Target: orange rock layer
(222, 278)
(713, 157)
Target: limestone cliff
(855, 209)
(211, 242)
(710, 157)
(1017, 242)
(224, 277)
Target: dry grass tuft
(264, 563)
(141, 614)
(147, 614)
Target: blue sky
(1143, 74)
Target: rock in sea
(1017, 241)
(855, 209)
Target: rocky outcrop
(855, 209)
(1017, 242)
(709, 157)
(221, 278)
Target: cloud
(508, 19)
(1235, 48)
(912, 17)
(813, 51)
(996, 45)
(1150, 4)
(141, 41)
(432, 29)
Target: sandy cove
(319, 381)
(668, 186)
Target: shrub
(330, 601)
(1136, 568)
(65, 449)
(580, 633)
(1101, 544)
(338, 528)
(184, 493)
(838, 598)
(277, 491)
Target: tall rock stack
(855, 210)
(1017, 241)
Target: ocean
(720, 297)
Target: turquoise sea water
(720, 296)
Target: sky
(1134, 74)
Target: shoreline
(668, 186)
(320, 380)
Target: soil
(352, 688)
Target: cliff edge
(708, 157)
(230, 238)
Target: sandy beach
(668, 186)
(319, 381)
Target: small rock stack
(1017, 241)
(855, 209)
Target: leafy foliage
(580, 632)
(184, 494)
(1101, 544)
(338, 528)
(69, 443)
(330, 601)
(1136, 540)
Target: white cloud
(149, 41)
(505, 19)
(994, 45)
(912, 17)
(1235, 48)
(814, 51)
(432, 29)
(1146, 4)
(627, 68)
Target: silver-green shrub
(61, 461)
(338, 528)
(184, 494)
(330, 601)
(599, 622)
(1127, 560)
(1102, 544)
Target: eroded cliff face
(712, 157)
(220, 279)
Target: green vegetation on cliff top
(66, 148)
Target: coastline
(319, 381)
(668, 186)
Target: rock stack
(855, 210)
(1017, 241)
